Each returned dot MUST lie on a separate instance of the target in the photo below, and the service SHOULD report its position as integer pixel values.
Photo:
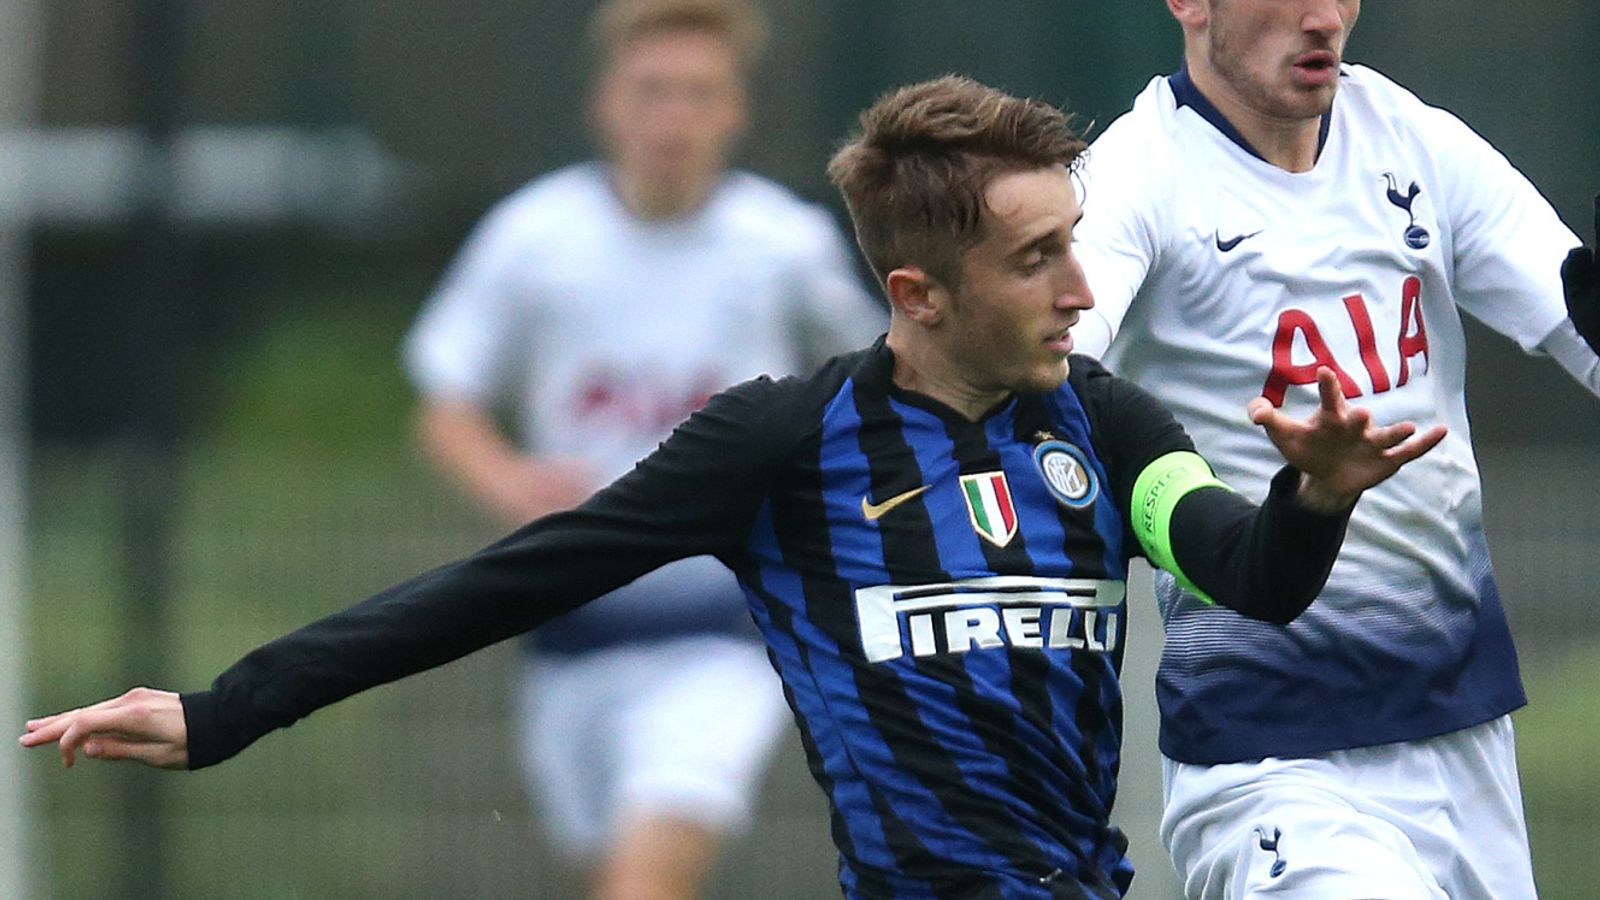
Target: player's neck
(654, 201)
(920, 366)
(1289, 144)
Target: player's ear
(914, 294)
(1193, 15)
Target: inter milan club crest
(989, 506)
(1067, 474)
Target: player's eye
(1036, 260)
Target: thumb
(102, 747)
(107, 748)
(1260, 410)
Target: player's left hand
(1580, 280)
(143, 725)
(1338, 449)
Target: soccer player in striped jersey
(932, 534)
(1264, 213)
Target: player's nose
(1081, 298)
(1323, 17)
(1073, 292)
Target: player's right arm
(696, 495)
(831, 309)
(464, 441)
(466, 352)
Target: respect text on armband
(1152, 498)
(987, 613)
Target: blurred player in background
(601, 304)
(1264, 212)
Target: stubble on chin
(1049, 379)
(1288, 103)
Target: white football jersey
(600, 332)
(1219, 278)
(603, 331)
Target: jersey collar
(1187, 94)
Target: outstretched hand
(1580, 279)
(1338, 450)
(143, 724)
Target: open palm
(1338, 448)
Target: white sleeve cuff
(1572, 352)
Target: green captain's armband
(1156, 493)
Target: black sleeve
(697, 494)
(1267, 562)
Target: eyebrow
(1045, 239)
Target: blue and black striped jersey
(944, 600)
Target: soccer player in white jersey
(1265, 211)
(601, 304)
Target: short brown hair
(738, 22)
(915, 175)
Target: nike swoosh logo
(876, 511)
(1231, 243)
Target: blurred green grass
(1558, 748)
(301, 493)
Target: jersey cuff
(201, 719)
(1568, 348)
(1156, 493)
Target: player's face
(1021, 287)
(1280, 58)
(669, 107)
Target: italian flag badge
(989, 506)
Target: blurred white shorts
(680, 729)
(1419, 820)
